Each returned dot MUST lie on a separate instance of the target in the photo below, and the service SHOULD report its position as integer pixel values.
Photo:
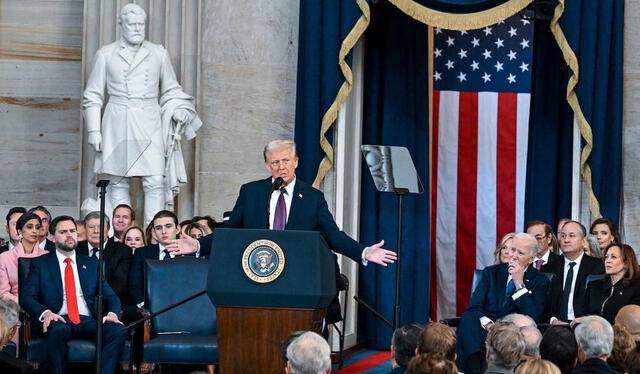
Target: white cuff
(484, 320)
(519, 293)
(41, 318)
(197, 249)
(365, 262)
(140, 305)
(552, 319)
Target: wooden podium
(265, 285)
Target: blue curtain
(594, 30)
(395, 113)
(323, 26)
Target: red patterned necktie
(70, 291)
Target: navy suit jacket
(309, 211)
(491, 299)
(43, 289)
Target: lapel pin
(84, 266)
(300, 195)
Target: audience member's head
(123, 217)
(520, 320)
(207, 222)
(134, 237)
(604, 232)
(544, 235)
(437, 337)
(592, 248)
(537, 366)
(403, 344)
(431, 363)
(28, 227)
(9, 315)
(195, 230)
(82, 230)
(559, 346)
(505, 345)
(632, 362)
(561, 223)
(45, 217)
(595, 338)
(502, 253)
(92, 226)
(532, 338)
(629, 317)
(623, 343)
(12, 218)
(629, 261)
(287, 342)
(308, 354)
(573, 239)
(165, 226)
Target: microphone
(277, 183)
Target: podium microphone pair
(277, 183)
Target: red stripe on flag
(506, 168)
(433, 294)
(466, 200)
(366, 363)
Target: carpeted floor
(369, 362)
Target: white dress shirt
(163, 254)
(83, 309)
(576, 267)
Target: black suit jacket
(117, 262)
(309, 211)
(4, 248)
(588, 265)
(553, 257)
(602, 301)
(593, 366)
(50, 246)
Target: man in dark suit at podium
(282, 202)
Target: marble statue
(145, 116)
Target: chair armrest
(146, 335)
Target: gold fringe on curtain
(331, 114)
(454, 21)
(572, 98)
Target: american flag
(482, 86)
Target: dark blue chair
(32, 344)
(186, 334)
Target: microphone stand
(102, 185)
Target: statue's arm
(92, 101)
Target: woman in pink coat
(27, 226)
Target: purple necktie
(280, 216)
(538, 263)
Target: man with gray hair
(513, 287)
(595, 342)
(505, 346)
(519, 320)
(532, 338)
(308, 354)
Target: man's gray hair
(96, 215)
(504, 344)
(520, 320)
(595, 337)
(532, 339)
(309, 354)
(535, 248)
(9, 312)
(133, 9)
(275, 145)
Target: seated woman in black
(620, 285)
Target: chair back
(477, 277)
(592, 277)
(170, 281)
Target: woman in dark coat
(620, 285)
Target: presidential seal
(263, 261)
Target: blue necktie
(511, 287)
(280, 215)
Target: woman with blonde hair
(501, 253)
(537, 366)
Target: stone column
(247, 93)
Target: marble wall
(247, 93)
(631, 108)
(40, 90)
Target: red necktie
(70, 291)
